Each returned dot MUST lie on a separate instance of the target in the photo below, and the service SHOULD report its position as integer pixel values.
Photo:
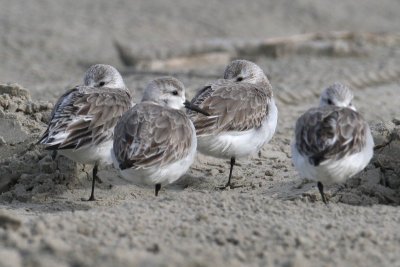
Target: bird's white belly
(334, 171)
(90, 154)
(159, 175)
(239, 144)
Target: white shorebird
(332, 142)
(155, 142)
(83, 120)
(243, 114)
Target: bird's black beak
(190, 106)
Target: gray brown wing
(233, 107)
(330, 133)
(85, 116)
(149, 135)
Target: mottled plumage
(83, 120)
(85, 116)
(332, 142)
(330, 133)
(150, 135)
(155, 142)
(235, 106)
(243, 114)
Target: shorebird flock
(154, 142)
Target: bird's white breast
(334, 171)
(160, 175)
(240, 144)
(90, 154)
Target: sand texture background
(272, 217)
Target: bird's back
(150, 135)
(85, 116)
(330, 133)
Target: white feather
(90, 154)
(334, 171)
(240, 144)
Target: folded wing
(330, 133)
(149, 135)
(233, 107)
(84, 116)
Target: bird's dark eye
(102, 83)
(329, 102)
(239, 79)
(175, 92)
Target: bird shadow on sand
(194, 182)
(365, 189)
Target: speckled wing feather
(149, 135)
(233, 106)
(330, 133)
(85, 116)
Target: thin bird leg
(157, 189)
(54, 154)
(230, 174)
(53, 157)
(95, 169)
(385, 144)
(321, 191)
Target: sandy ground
(272, 217)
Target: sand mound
(27, 172)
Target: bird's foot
(230, 186)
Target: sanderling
(243, 114)
(155, 142)
(332, 142)
(83, 119)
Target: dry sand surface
(272, 217)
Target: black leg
(158, 187)
(95, 169)
(233, 161)
(54, 157)
(321, 191)
(54, 154)
(387, 143)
